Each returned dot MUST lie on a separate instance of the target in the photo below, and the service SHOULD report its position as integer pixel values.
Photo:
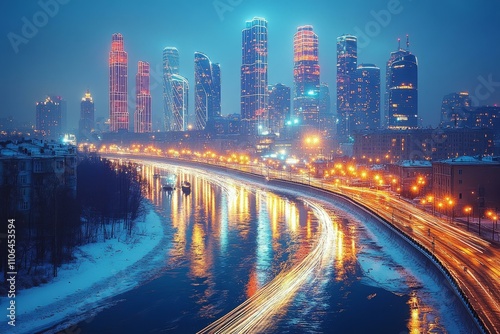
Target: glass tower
(180, 93)
(118, 105)
(254, 90)
(306, 76)
(347, 63)
(142, 117)
(367, 115)
(207, 90)
(403, 93)
(170, 68)
(279, 107)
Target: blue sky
(457, 44)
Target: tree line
(108, 200)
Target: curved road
(473, 262)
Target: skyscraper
(143, 121)
(306, 76)
(207, 90)
(367, 114)
(180, 93)
(87, 110)
(118, 106)
(402, 89)
(279, 107)
(48, 117)
(254, 93)
(455, 109)
(347, 63)
(326, 116)
(170, 68)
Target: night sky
(457, 44)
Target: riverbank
(99, 271)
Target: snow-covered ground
(100, 270)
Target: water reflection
(231, 245)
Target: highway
(473, 262)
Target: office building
(118, 103)
(143, 121)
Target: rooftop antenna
(407, 42)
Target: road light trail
(256, 313)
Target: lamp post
(468, 210)
(432, 199)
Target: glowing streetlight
(468, 210)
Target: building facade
(118, 75)
(207, 91)
(402, 89)
(170, 68)
(422, 144)
(279, 107)
(468, 182)
(87, 111)
(455, 109)
(48, 118)
(143, 121)
(306, 75)
(347, 63)
(367, 113)
(179, 109)
(254, 87)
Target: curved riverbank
(84, 284)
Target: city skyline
(437, 75)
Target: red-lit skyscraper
(142, 115)
(118, 107)
(306, 76)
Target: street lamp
(450, 203)
(468, 210)
(432, 199)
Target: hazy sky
(457, 44)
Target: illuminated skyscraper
(367, 114)
(347, 63)
(142, 117)
(207, 90)
(118, 106)
(279, 107)
(180, 93)
(455, 109)
(326, 115)
(86, 124)
(402, 89)
(48, 117)
(172, 122)
(254, 90)
(306, 76)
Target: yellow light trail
(256, 313)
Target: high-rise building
(180, 93)
(388, 74)
(216, 89)
(455, 109)
(254, 90)
(172, 122)
(143, 121)
(326, 116)
(347, 63)
(402, 89)
(207, 90)
(279, 107)
(118, 105)
(306, 76)
(87, 110)
(48, 117)
(367, 114)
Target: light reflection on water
(227, 240)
